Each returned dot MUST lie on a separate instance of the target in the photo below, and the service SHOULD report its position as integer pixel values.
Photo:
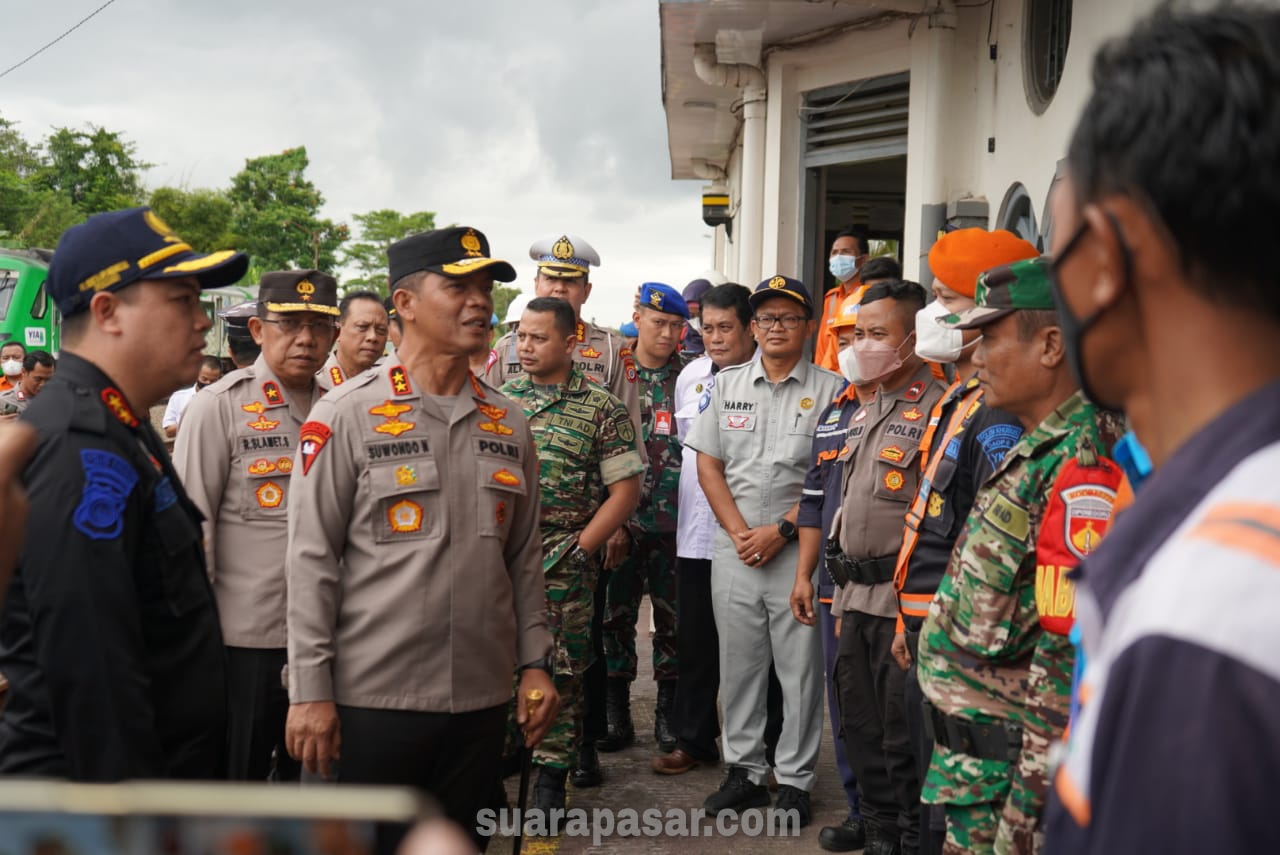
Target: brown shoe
(676, 763)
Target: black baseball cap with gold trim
(453, 252)
(285, 291)
(111, 250)
(782, 286)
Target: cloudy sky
(521, 117)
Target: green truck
(27, 314)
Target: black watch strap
(787, 529)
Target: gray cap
(564, 256)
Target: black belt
(1000, 741)
(866, 571)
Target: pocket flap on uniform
(499, 476)
(406, 476)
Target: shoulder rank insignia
(589, 352)
(915, 392)
(112, 397)
(400, 384)
(475, 384)
(108, 480)
(582, 331)
(271, 392)
(312, 437)
(335, 374)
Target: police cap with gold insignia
(299, 291)
(782, 286)
(454, 252)
(564, 256)
(663, 298)
(1004, 290)
(111, 250)
(238, 316)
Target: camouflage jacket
(660, 493)
(585, 442)
(984, 655)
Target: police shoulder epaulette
(232, 379)
(354, 384)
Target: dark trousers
(933, 824)
(872, 710)
(257, 708)
(595, 680)
(456, 757)
(696, 723)
(830, 644)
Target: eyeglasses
(789, 322)
(293, 326)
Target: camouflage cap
(1004, 290)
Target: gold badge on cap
(471, 242)
(563, 248)
(777, 282)
(306, 289)
(655, 297)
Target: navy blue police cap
(109, 251)
(663, 298)
(782, 286)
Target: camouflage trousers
(971, 829)
(570, 599)
(651, 567)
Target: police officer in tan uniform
(881, 473)
(235, 457)
(363, 328)
(414, 558)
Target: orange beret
(958, 258)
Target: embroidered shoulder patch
(312, 437)
(108, 481)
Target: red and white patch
(915, 392)
(312, 438)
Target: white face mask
(842, 267)
(12, 367)
(935, 342)
(849, 366)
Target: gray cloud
(522, 118)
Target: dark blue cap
(663, 298)
(782, 286)
(109, 251)
(629, 329)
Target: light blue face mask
(843, 267)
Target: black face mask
(1073, 326)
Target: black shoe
(737, 793)
(621, 732)
(548, 795)
(848, 836)
(796, 799)
(588, 773)
(878, 843)
(662, 716)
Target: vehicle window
(40, 305)
(8, 284)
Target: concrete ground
(630, 783)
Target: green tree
(378, 230)
(201, 216)
(97, 169)
(276, 215)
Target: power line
(77, 26)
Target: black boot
(588, 773)
(548, 795)
(662, 716)
(879, 842)
(621, 733)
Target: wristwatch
(578, 555)
(787, 529)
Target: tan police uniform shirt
(234, 454)
(881, 475)
(414, 559)
(604, 355)
(331, 374)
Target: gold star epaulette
(119, 407)
(400, 384)
(271, 392)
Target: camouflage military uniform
(984, 656)
(585, 442)
(651, 563)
